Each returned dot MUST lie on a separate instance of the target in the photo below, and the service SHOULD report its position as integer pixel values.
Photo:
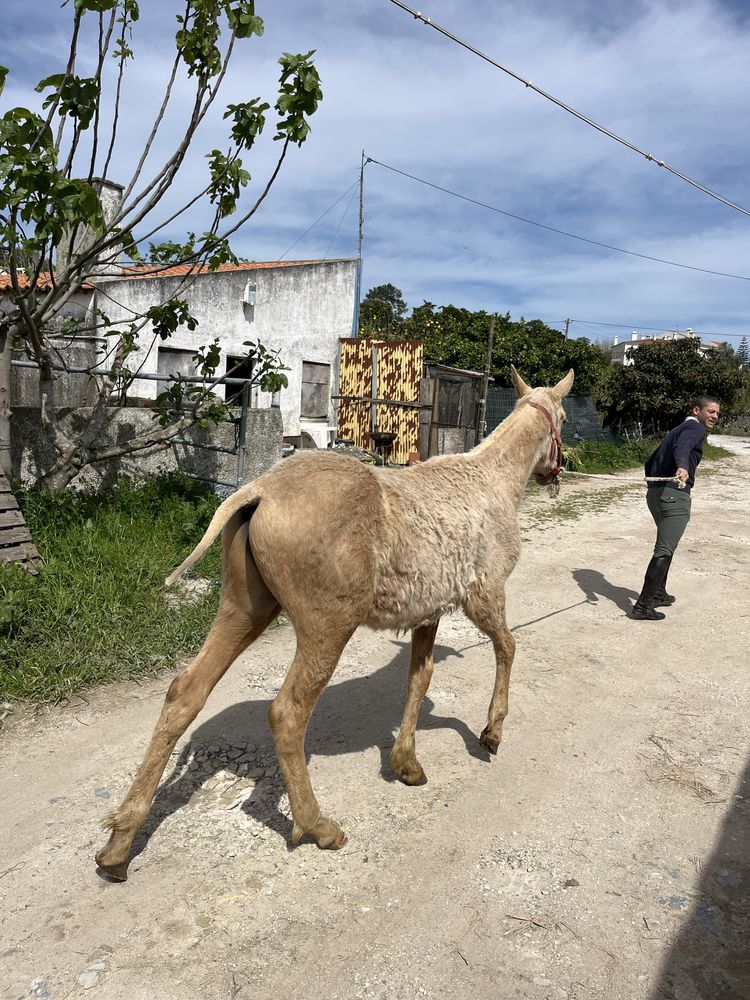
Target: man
(669, 503)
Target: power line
(343, 216)
(319, 219)
(655, 329)
(577, 114)
(552, 229)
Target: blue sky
(672, 78)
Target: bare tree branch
(118, 94)
(103, 49)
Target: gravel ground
(602, 854)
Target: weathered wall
(78, 352)
(300, 309)
(32, 454)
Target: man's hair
(703, 401)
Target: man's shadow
(595, 585)
(354, 715)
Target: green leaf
(95, 6)
(168, 316)
(77, 96)
(299, 96)
(3, 76)
(50, 81)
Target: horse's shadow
(353, 715)
(595, 585)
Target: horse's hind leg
(247, 607)
(487, 610)
(318, 651)
(403, 756)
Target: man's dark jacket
(682, 448)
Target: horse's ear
(521, 388)
(564, 386)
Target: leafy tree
(654, 392)
(55, 238)
(390, 295)
(381, 313)
(458, 337)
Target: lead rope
(626, 479)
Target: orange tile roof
(43, 281)
(158, 271)
(23, 280)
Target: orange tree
(458, 337)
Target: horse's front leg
(403, 756)
(487, 610)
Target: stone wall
(32, 454)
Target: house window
(173, 361)
(316, 390)
(237, 367)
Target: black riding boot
(653, 584)
(663, 599)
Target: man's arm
(692, 435)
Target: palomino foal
(338, 544)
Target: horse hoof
(489, 743)
(332, 841)
(118, 873)
(412, 776)
(326, 833)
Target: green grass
(716, 451)
(603, 456)
(97, 611)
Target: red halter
(556, 448)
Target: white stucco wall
(301, 309)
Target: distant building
(621, 352)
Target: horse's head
(548, 402)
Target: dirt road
(602, 854)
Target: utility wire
(552, 229)
(343, 216)
(577, 114)
(654, 329)
(319, 219)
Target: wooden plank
(8, 501)
(10, 518)
(10, 536)
(18, 553)
(16, 544)
(425, 417)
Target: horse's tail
(247, 496)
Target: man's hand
(682, 475)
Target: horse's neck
(513, 449)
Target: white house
(621, 352)
(300, 308)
